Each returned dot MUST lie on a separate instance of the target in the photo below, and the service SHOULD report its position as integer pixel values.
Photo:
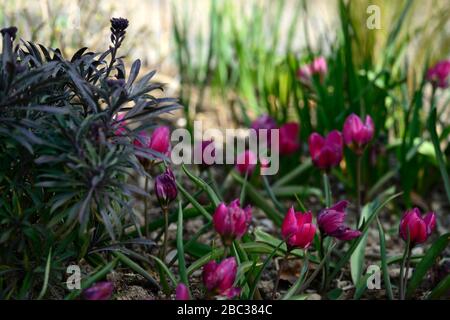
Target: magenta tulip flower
(159, 141)
(356, 133)
(166, 188)
(99, 291)
(331, 222)
(418, 228)
(231, 221)
(246, 162)
(297, 229)
(264, 122)
(182, 292)
(438, 75)
(219, 278)
(326, 152)
(317, 67)
(289, 140)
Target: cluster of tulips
(298, 229)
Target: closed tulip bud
(356, 133)
(99, 291)
(160, 141)
(182, 292)
(166, 188)
(326, 152)
(331, 222)
(289, 140)
(418, 228)
(316, 68)
(231, 221)
(264, 122)
(246, 162)
(438, 75)
(297, 229)
(219, 278)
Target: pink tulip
(166, 188)
(159, 141)
(331, 222)
(231, 221)
(438, 75)
(297, 229)
(356, 133)
(182, 292)
(219, 278)
(246, 162)
(289, 140)
(317, 67)
(99, 291)
(264, 122)
(326, 152)
(418, 228)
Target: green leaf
(441, 289)
(46, 275)
(426, 263)
(357, 258)
(180, 246)
(384, 263)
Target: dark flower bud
(10, 31)
(166, 188)
(119, 24)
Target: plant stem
(327, 190)
(147, 231)
(325, 267)
(406, 256)
(166, 229)
(358, 189)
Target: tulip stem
(358, 189)
(166, 229)
(147, 231)
(405, 262)
(327, 190)
(325, 264)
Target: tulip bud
(326, 152)
(166, 188)
(160, 141)
(331, 222)
(231, 221)
(317, 67)
(219, 278)
(297, 229)
(418, 228)
(182, 292)
(264, 122)
(438, 75)
(289, 140)
(99, 291)
(246, 162)
(356, 133)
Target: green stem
(358, 189)
(406, 256)
(327, 190)
(325, 267)
(147, 231)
